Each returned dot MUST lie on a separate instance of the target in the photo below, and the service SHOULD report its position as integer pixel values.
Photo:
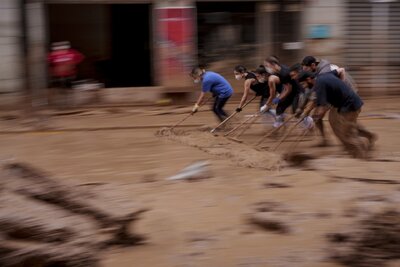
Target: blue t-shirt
(216, 84)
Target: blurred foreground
(251, 209)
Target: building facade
(146, 43)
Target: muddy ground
(252, 208)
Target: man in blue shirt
(332, 91)
(217, 85)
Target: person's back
(63, 60)
(285, 77)
(331, 90)
(216, 84)
(324, 66)
(260, 88)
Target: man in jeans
(346, 106)
(287, 88)
(217, 85)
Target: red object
(63, 62)
(175, 35)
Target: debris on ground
(298, 158)
(373, 241)
(47, 223)
(196, 171)
(241, 154)
(268, 216)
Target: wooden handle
(232, 115)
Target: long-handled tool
(246, 127)
(232, 115)
(252, 122)
(297, 141)
(165, 131)
(297, 159)
(273, 130)
(244, 122)
(182, 120)
(287, 134)
(187, 116)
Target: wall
(10, 47)
(331, 13)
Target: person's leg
(214, 107)
(320, 126)
(344, 127)
(280, 111)
(219, 103)
(362, 131)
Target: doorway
(115, 40)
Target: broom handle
(287, 134)
(249, 125)
(273, 130)
(187, 116)
(232, 115)
(238, 126)
(292, 148)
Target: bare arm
(247, 85)
(272, 82)
(287, 89)
(308, 108)
(341, 73)
(320, 112)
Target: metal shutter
(372, 50)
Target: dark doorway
(115, 40)
(225, 30)
(130, 35)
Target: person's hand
(264, 108)
(238, 109)
(276, 100)
(298, 112)
(195, 108)
(316, 117)
(308, 122)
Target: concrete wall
(10, 47)
(36, 40)
(324, 12)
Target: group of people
(311, 88)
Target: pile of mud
(47, 223)
(373, 241)
(240, 154)
(269, 216)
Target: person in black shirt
(346, 106)
(255, 81)
(288, 88)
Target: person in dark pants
(217, 85)
(320, 66)
(346, 105)
(288, 88)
